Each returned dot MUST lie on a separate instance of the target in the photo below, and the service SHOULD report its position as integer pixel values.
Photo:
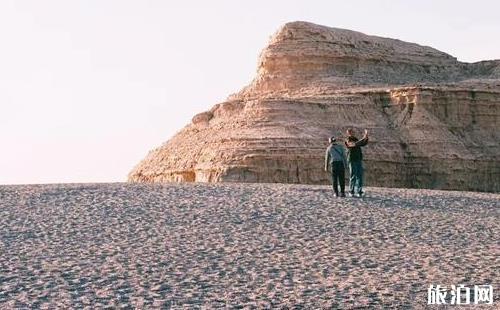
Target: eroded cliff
(433, 121)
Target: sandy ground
(239, 245)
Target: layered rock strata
(433, 121)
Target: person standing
(355, 159)
(336, 159)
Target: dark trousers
(338, 177)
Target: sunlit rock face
(433, 121)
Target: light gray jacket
(335, 152)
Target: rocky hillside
(433, 121)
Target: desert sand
(240, 245)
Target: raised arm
(362, 142)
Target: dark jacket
(354, 153)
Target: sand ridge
(240, 245)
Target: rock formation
(433, 121)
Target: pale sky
(88, 87)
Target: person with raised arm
(355, 160)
